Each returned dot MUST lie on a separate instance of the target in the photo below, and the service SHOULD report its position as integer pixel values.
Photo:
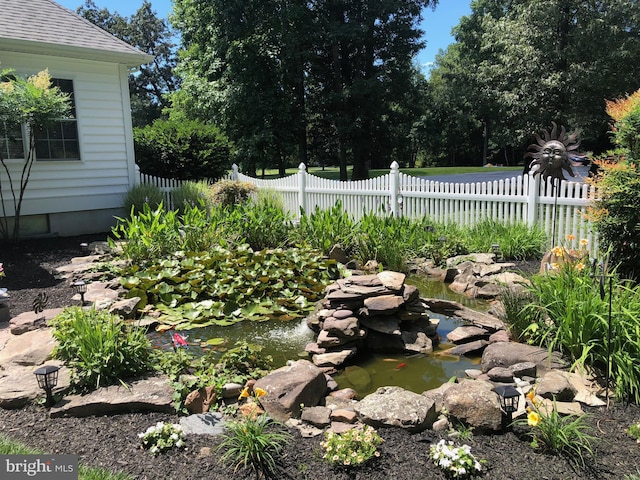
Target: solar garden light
(84, 247)
(509, 398)
(79, 287)
(495, 248)
(47, 377)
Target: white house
(86, 165)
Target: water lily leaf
(215, 341)
(230, 308)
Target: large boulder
(289, 387)
(507, 354)
(475, 403)
(28, 349)
(397, 407)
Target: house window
(60, 140)
(11, 141)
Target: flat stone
(339, 314)
(317, 416)
(364, 280)
(467, 348)
(383, 324)
(19, 387)
(150, 394)
(343, 415)
(457, 310)
(210, 423)
(383, 305)
(499, 336)
(524, 369)
(556, 385)
(410, 293)
(32, 348)
(29, 321)
(500, 374)
(362, 290)
(466, 334)
(347, 327)
(392, 280)
(333, 359)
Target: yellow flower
(584, 242)
(580, 266)
(555, 266)
(260, 392)
(6, 87)
(41, 80)
(244, 393)
(571, 237)
(558, 251)
(533, 419)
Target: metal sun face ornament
(551, 153)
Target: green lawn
(333, 172)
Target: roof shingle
(46, 22)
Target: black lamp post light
(495, 248)
(80, 287)
(509, 399)
(47, 377)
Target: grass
(10, 447)
(333, 173)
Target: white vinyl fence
(524, 199)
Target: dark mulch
(112, 441)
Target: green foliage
(185, 149)
(517, 241)
(616, 216)
(322, 229)
(223, 286)
(237, 365)
(253, 443)
(143, 194)
(261, 223)
(567, 435)
(100, 348)
(231, 192)
(518, 318)
(162, 437)
(634, 431)
(457, 462)
(351, 448)
(568, 315)
(192, 194)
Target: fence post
(394, 196)
(234, 172)
(302, 187)
(533, 199)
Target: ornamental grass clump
(456, 462)
(161, 437)
(253, 443)
(351, 448)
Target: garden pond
(285, 341)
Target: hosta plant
(351, 448)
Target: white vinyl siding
(105, 171)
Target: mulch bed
(112, 441)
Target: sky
(436, 24)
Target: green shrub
(253, 443)
(231, 192)
(191, 194)
(99, 347)
(616, 215)
(517, 241)
(140, 195)
(184, 149)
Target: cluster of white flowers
(458, 461)
(353, 447)
(162, 436)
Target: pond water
(287, 340)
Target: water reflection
(287, 340)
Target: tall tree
(530, 62)
(152, 82)
(280, 71)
